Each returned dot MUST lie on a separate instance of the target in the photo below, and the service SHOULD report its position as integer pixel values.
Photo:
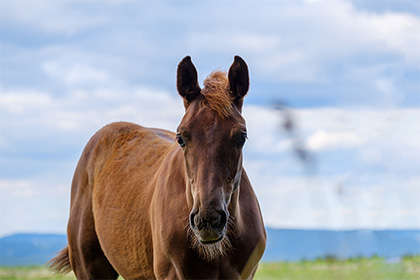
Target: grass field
(372, 268)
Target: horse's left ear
(238, 81)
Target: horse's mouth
(207, 242)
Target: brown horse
(147, 203)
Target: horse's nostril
(222, 219)
(192, 219)
(199, 222)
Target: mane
(216, 94)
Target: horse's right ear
(187, 81)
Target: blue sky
(348, 69)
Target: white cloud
(390, 132)
(328, 43)
(49, 15)
(387, 133)
(264, 132)
(83, 110)
(33, 205)
(16, 189)
(355, 30)
(3, 142)
(299, 40)
(17, 103)
(369, 183)
(294, 202)
(320, 140)
(74, 73)
(309, 32)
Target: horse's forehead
(205, 119)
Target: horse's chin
(210, 248)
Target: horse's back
(113, 182)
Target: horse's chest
(189, 265)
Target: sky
(347, 70)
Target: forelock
(216, 94)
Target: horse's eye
(180, 140)
(241, 138)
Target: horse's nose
(211, 220)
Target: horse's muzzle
(209, 228)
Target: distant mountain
(292, 245)
(282, 244)
(30, 249)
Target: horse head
(211, 135)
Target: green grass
(31, 272)
(324, 269)
(353, 269)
